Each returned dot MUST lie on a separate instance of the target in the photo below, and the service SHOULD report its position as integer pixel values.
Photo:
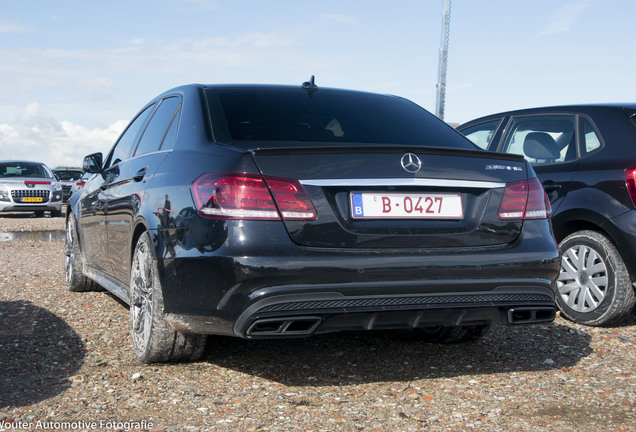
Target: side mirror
(93, 163)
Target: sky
(74, 72)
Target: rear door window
(481, 135)
(542, 139)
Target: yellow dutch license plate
(31, 199)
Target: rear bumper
(299, 316)
(305, 315)
(276, 289)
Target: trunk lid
(398, 197)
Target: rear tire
(594, 287)
(154, 339)
(453, 334)
(74, 261)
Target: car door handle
(140, 174)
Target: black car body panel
(325, 269)
(586, 178)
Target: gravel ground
(66, 364)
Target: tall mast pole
(443, 62)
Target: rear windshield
(68, 175)
(274, 116)
(24, 169)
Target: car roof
(21, 161)
(197, 86)
(555, 108)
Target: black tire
(74, 261)
(154, 339)
(453, 334)
(594, 287)
(56, 213)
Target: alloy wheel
(142, 301)
(69, 250)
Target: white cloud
(37, 135)
(12, 27)
(565, 17)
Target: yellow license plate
(31, 199)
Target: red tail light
(524, 199)
(630, 181)
(245, 196)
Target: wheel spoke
(590, 259)
(588, 303)
(568, 271)
(598, 268)
(569, 288)
(597, 287)
(571, 256)
(572, 298)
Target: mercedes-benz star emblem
(411, 163)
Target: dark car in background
(79, 183)
(287, 211)
(585, 157)
(68, 178)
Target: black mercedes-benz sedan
(284, 211)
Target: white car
(29, 187)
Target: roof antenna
(310, 86)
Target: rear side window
(481, 134)
(277, 115)
(591, 140)
(157, 127)
(127, 141)
(542, 139)
(171, 135)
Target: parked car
(68, 178)
(79, 183)
(29, 187)
(286, 211)
(585, 157)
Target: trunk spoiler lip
(383, 149)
